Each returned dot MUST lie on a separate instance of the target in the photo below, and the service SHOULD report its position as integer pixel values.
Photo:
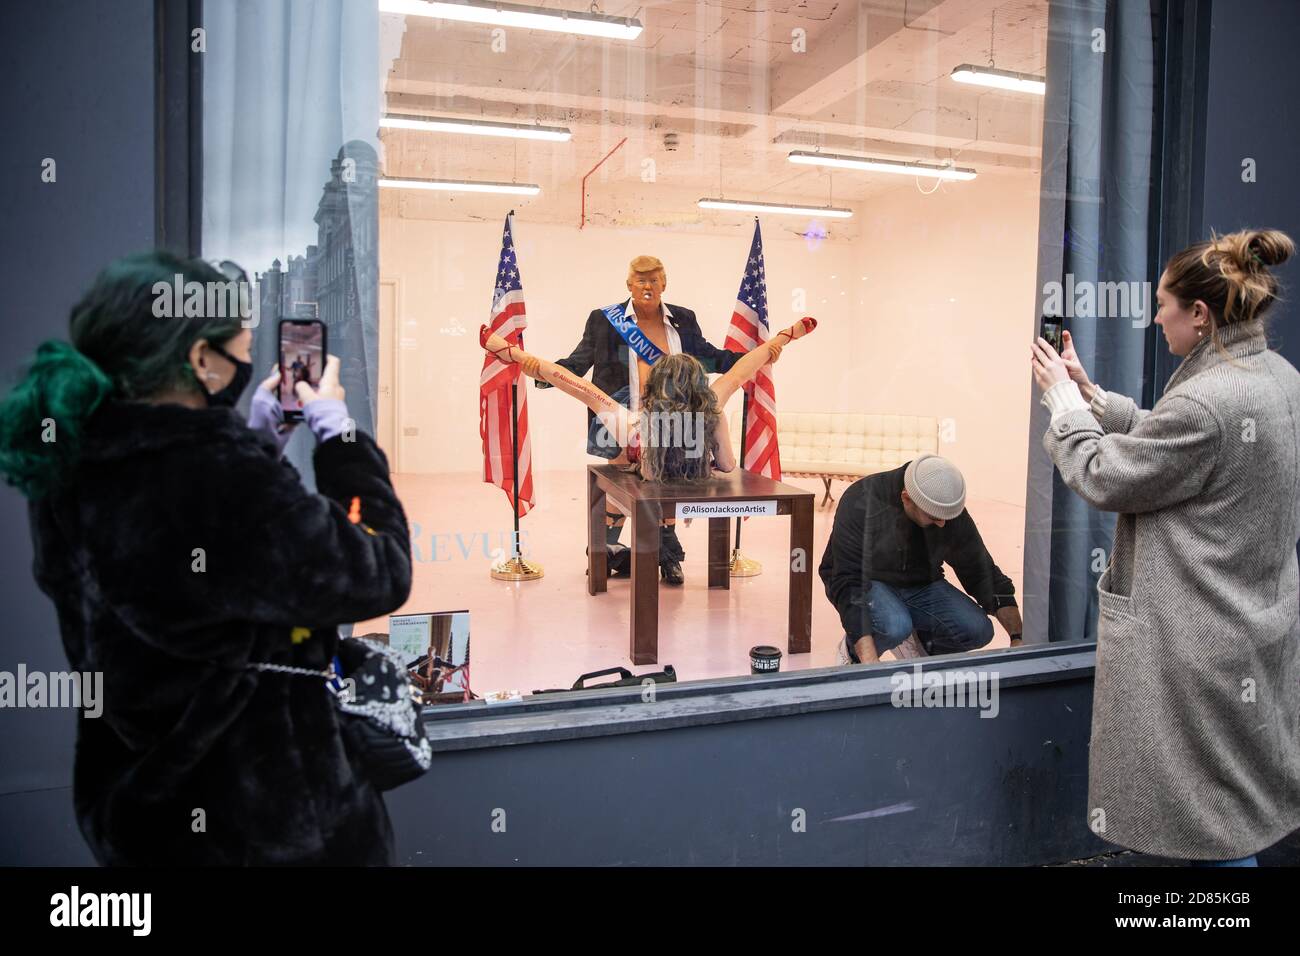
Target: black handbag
(377, 714)
(625, 679)
(381, 718)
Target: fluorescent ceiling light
(514, 15)
(462, 186)
(476, 127)
(881, 165)
(1000, 79)
(737, 205)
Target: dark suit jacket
(603, 348)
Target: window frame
(1178, 162)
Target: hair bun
(61, 388)
(1230, 273)
(1270, 247)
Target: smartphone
(1052, 328)
(302, 359)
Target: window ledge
(574, 715)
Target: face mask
(228, 396)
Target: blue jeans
(1244, 861)
(944, 618)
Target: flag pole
(744, 435)
(514, 462)
(515, 568)
(741, 566)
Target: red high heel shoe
(483, 333)
(808, 323)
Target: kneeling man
(883, 567)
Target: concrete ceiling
(726, 78)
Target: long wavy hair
(679, 421)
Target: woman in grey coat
(1195, 750)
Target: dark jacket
(185, 726)
(874, 539)
(605, 349)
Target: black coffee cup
(764, 659)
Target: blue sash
(626, 327)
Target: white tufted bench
(844, 446)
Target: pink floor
(543, 634)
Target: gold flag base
(517, 569)
(743, 567)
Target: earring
(1199, 333)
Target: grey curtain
(1094, 228)
(290, 162)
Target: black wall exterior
(818, 768)
(1253, 111)
(714, 774)
(80, 89)
(1232, 93)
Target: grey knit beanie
(936, 486)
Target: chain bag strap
(378, 715)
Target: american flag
(508, 321)
(749, 330)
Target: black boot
(671, 556)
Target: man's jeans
(944, 618)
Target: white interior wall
(927, 310)
(951, 318)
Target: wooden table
(649, 502)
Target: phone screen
(302, 359)
(1052, 330)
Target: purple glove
(266, 415)
(327, 418)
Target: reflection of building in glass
(337, 279)
(289, 293)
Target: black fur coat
(181, 549)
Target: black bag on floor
(625, 679)
(619, 560)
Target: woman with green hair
(190, 566)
